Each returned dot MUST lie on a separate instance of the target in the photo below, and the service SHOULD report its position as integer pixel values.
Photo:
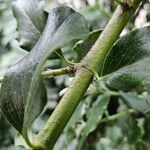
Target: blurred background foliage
(127, 132)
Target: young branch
(94, 59)
(119, 115)
(58, 72)
(53, 73)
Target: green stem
(55, 72)
(58, 72)
(119, 115)
(93, 60)
(65, 60)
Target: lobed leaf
(23, 93)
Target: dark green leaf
(134, 131)
(130, 77)
(135, 102)
(95, 113)
(23, 92)
(146, 136)
(76, 121)
(82, 47)
(128, 49)
(31, 20)
(94, 116)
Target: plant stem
(119, 115)
(55, 72)
(65, 60)
(94, 59)
(58, 72)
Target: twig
(64, 59)
(118, 115)
(52, 73)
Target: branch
(94, 59)
(58, 72)
(53, 73)
(119, 115)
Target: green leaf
(130, 77)
(94, 116)
(131, 56)
(23, 93)
(146, 136)
(19, 141)
(82, 47)
(134, 131)
(95, 113)
(135, 102)
(96, 15)
(128, 49)
(76, 121)
(31, 20)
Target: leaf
(95, 113)
(131, 56)
(76, 122)
(146, 136)
(96, 16)
(134, 131)
(19, 141)
(135, 102)
(130, 77)
(82, 47)
(23, 92)
(94, 116)
(31, 20)
(128, 49)
(69, 137)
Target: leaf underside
(23, 93)
(31, 20)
